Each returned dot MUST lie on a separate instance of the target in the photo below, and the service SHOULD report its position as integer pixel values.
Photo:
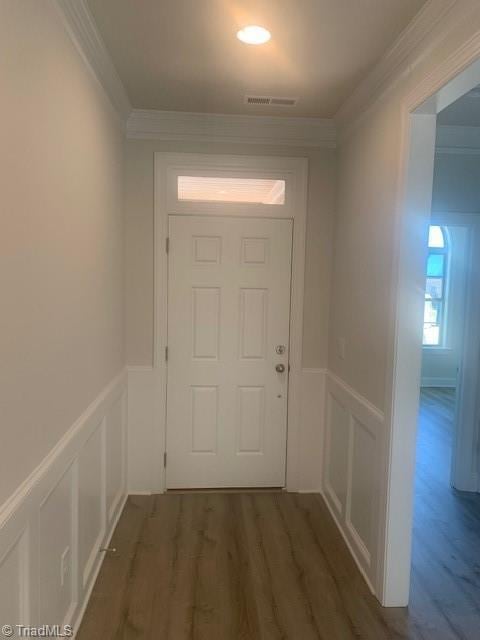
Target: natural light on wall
(246, 190)
(434, 310)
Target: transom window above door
(434, 316)
(230, 189)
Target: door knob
(280, 368)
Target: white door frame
(459, 73)
(295, 173)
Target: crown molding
(456, 140)
(429, 27)
(208, 127)
(170, 125)
(83, 31)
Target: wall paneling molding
(353, 436)
(52, 527)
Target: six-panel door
(228, 329)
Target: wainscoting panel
(55, 535)
(362, 487)
(13, 582)
(336, 462)
(350, 483)
(91, 499)
(146, 438)
(116, 452)
(52, 528)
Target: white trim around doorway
(458, 74)
(295, 173)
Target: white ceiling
(464, 112)
(182, 55)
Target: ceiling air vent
(283, 102)
(271, 101)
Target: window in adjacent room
(434, 317)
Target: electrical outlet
(64, 566)
(341, 348)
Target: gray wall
(456, 190)
(139, 242)
(456, 185)
(369, 166)
(61, 244)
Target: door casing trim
(452, 78)
(295, 172)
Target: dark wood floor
(445, 591)
(268, 566)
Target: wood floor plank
(270, 624)
(152, 561)
(224, 607)
(105, 612)
(326, 601)
(272, 566)
(179, 609)
(445, 590)
(285, 580)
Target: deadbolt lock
(280, 349)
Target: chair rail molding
(85, 35)
(53, 526)
(210, 127)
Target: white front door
(228, 330)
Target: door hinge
(288, 367)
(167, 244)
(166, 354)
(165, 459)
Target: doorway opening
(436, 342)
(446, 517)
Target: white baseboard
(62, 514)
(439, 382)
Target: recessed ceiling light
(253, 34)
